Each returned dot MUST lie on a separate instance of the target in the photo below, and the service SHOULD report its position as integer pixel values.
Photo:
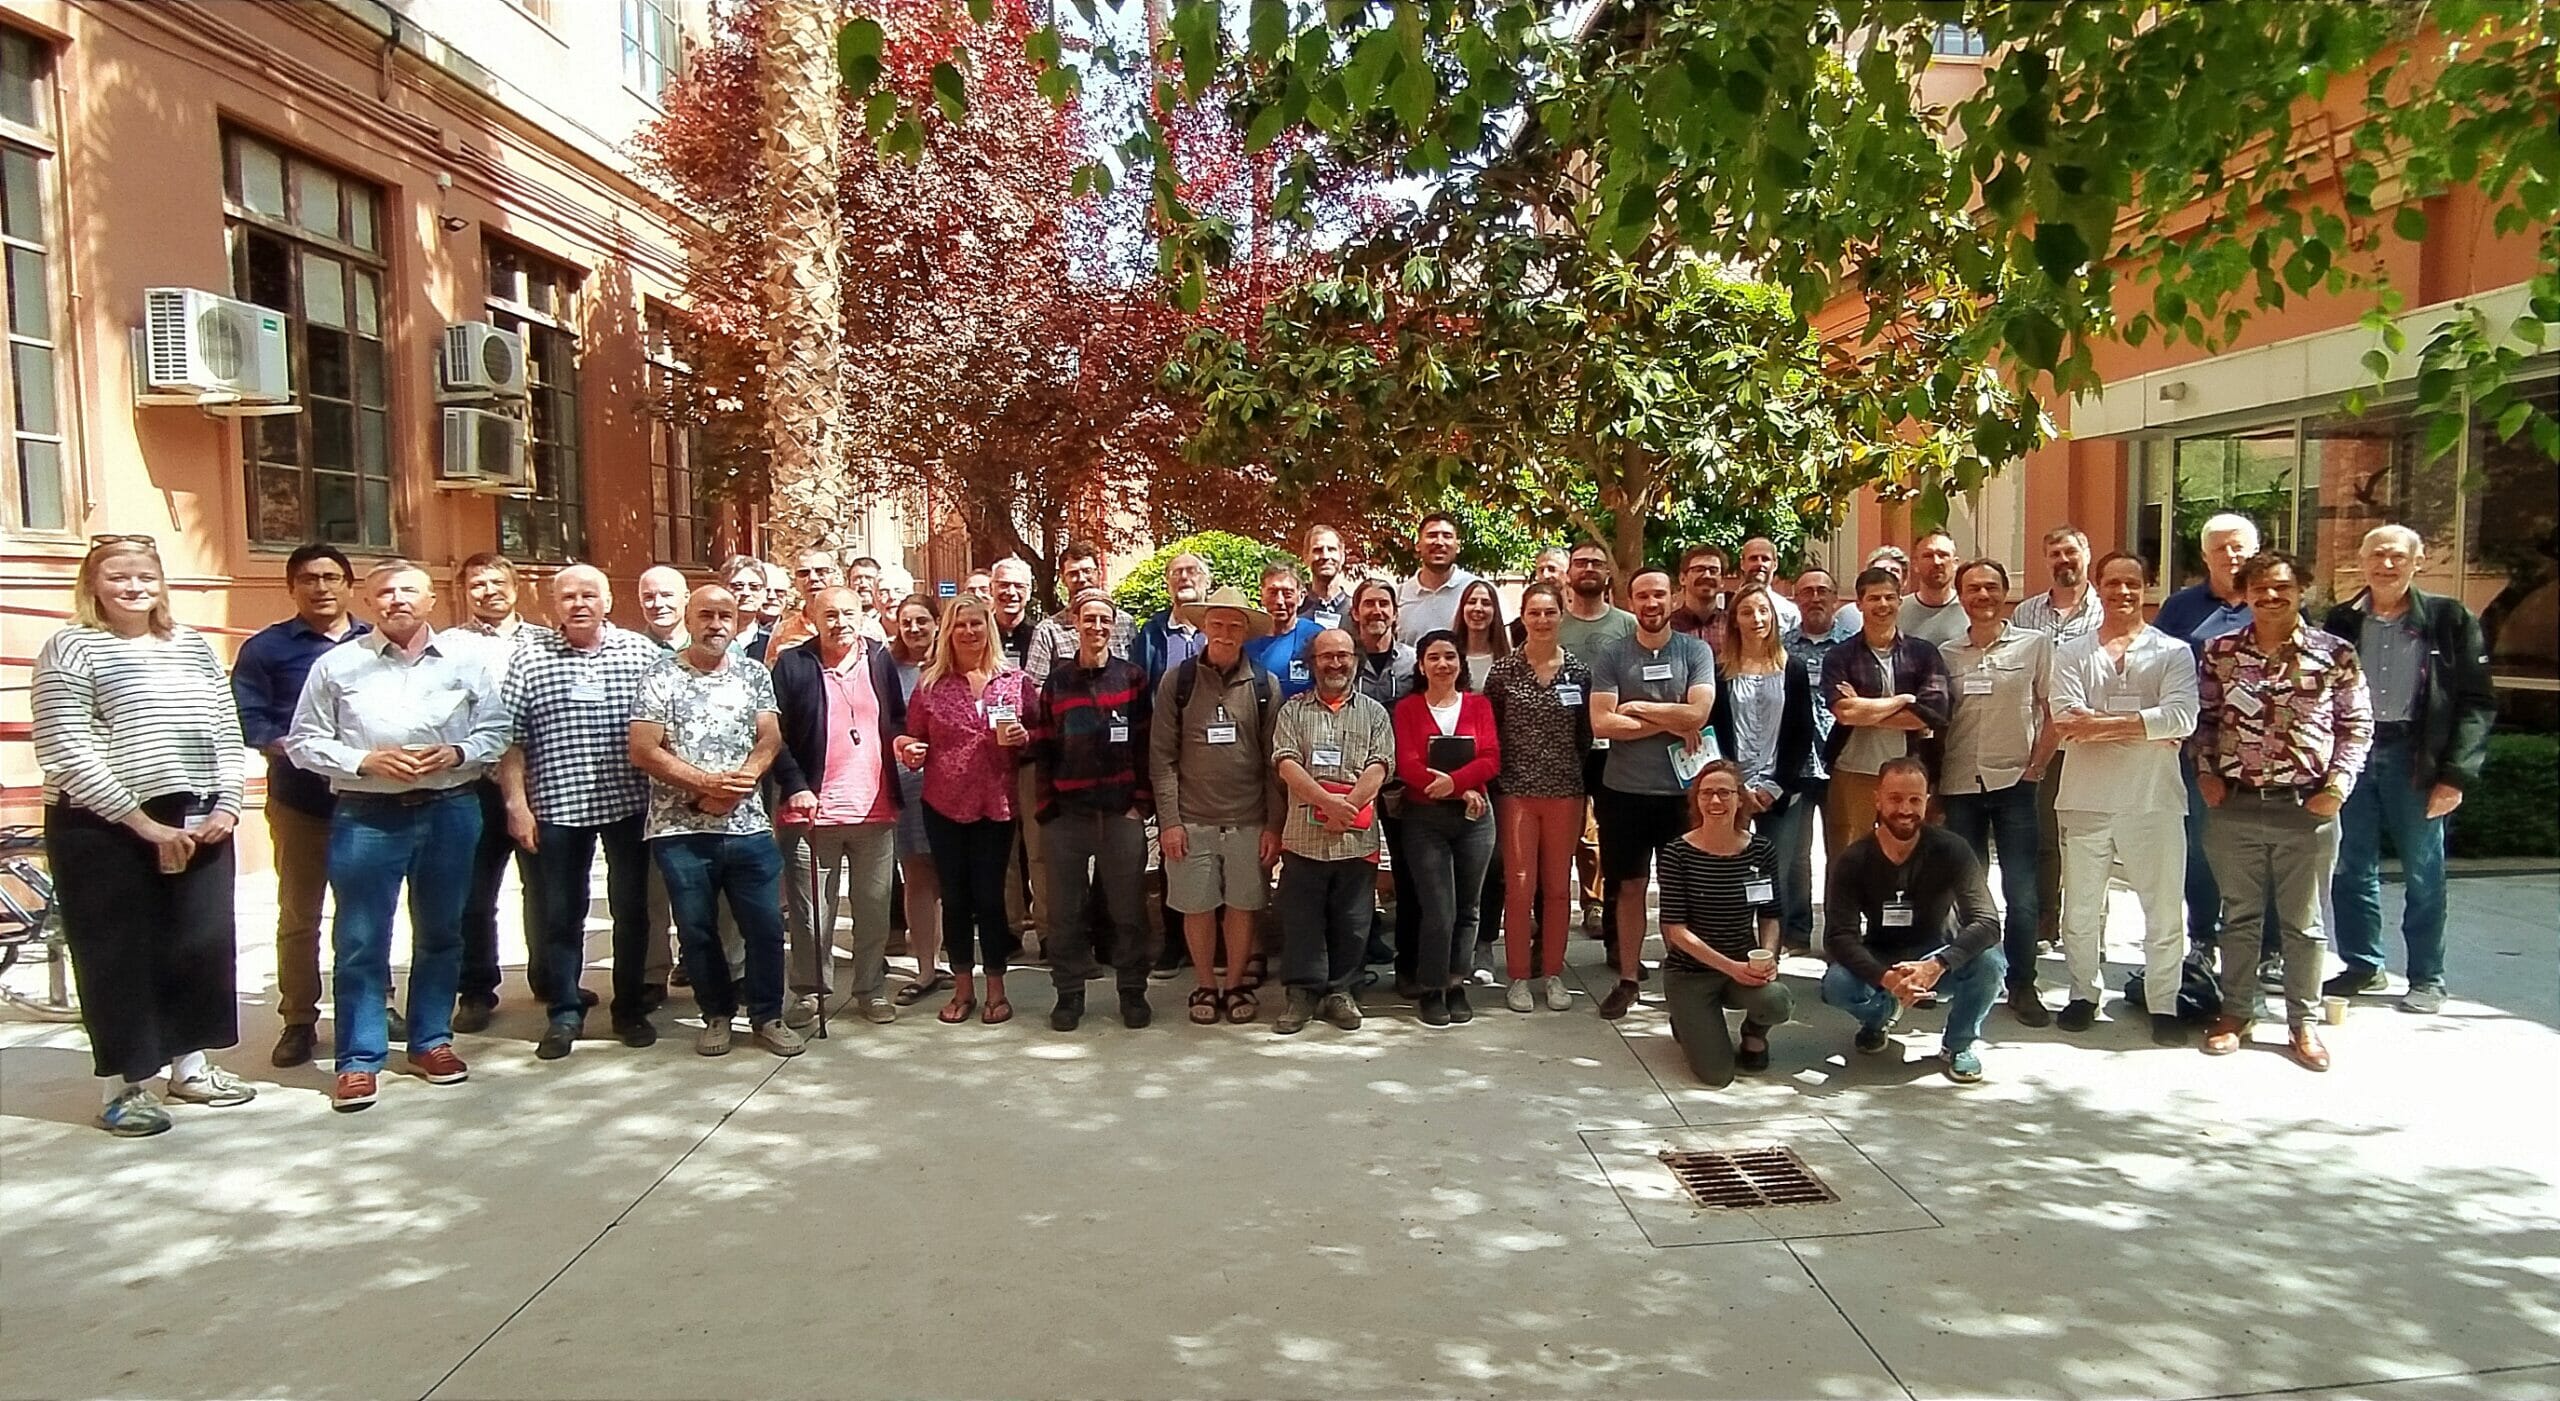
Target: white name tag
(587, 693)
(1326, 758)
(1569, 695)
(1119, 734)
(2245, 700)
(1221, 734)
(1657, 671)
(1897, 915)
(1298, 670)
(1977, 683)
(1759, 892)
(999, 715)
(1600, 742)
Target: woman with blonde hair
(965, 733)
(140, 747)
(1763, 713)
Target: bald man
(569, 787)
(662, 596)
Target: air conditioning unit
(479, 361)
(484, 450)
(199, 348)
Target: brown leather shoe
(2226, 1036)
(2308, 1050)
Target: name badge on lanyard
(1977, 682)
(1657, 671)
(1119, 734)
(1896, 915)
(1326, 758)
(1298, 669)
(1569, 695)
(1221, 730)
(1759, 890)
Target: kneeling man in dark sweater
(1909, 913)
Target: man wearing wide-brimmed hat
(1216, 805)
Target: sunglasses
(96, 541)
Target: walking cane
(825, 939)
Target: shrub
(2514, 810)
(1232, 559)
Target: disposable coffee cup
(2333, 1010)
(1762, 960)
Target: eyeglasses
(1718, 795)
(96, 541)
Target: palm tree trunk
(811, 491)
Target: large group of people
(1339, 770)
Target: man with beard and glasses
(1333, 749)
(1909, 914)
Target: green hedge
(2514, 810)
(1233, 559)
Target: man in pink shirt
(841, 709)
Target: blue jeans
(2006, 819)
(701, 871)
(2385, 801)
(1790, 827)
(1969, 992)
(559, 893)
(375, 844)
(1449, 853)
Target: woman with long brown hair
(913, 624)
(140, 747)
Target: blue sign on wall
(947, 588)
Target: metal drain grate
(1747, 1179)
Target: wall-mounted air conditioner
(479, 361)
(485, 451)
(201, 348)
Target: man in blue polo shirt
(1284, 653)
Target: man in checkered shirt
(569, 786)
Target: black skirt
(153, 955)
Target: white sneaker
(1559, 997)
(875, 1010)
(778, 1037)
(714, 1038)
(1519, 997)
(801, 1010)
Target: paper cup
(1763, 960)
(2333, 1010)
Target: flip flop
(997, 1013)
(956, 1011)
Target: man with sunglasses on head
(266, 680)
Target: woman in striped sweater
(140, 747)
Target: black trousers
(153, 955)
(480, 972)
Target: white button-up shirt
(2157, 682)
(1420, 610)
(369, 694)
(1999, 705)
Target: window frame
(656, 54)
(353, 261)
(675, 447)
(562, 497)
(43, 143)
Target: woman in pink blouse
(1447, 754)
(965, 731)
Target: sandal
(1241, 1005)
(956, 1011)
(998, 1012)
(923, 988)
(1205, 1006)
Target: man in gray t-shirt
(1650, 695)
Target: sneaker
(293, 1047)
(1135, 1013)
(638, 1031)
(1559, 997)
(1433, 1008)
(1519, 997)
(2271, 974)
(354, 1091)
(396, 1026)
(801, 1010)
(2425, 1002)
(1068, 1012)
(438, 1065)
(1964, 1067)
(1295, 1014)
(216, 1086)
(1620, 998)
(1341, 1009)
(558, 1039)
(2351, 982)
(2077, 1015)
(471, 1015)
(713, 1039)
(874, 1010)
(2167, 1030)
(778, 1037)
(2027, 1007)
(1460, 1010)
(134, 1114)
(1872, 1040)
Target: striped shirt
(572, 712)
(1711, 895)
(122, 720)
(1089, 738)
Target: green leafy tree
(2135, 170)
(1232, 559)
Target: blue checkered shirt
(573, 720)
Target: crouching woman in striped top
(1720, 931)
(140, 748)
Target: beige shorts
(1223, 868)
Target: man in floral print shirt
(2283, 725)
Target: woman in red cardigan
(1447, 753)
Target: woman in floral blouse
(1541, 707)
(965, 731)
